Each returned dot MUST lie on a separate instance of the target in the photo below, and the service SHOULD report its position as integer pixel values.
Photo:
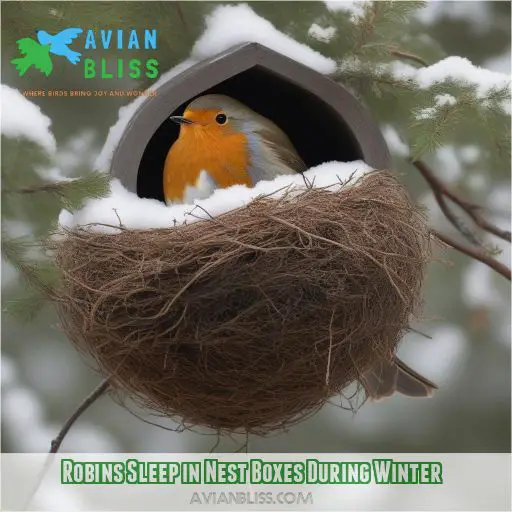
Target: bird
(34, 54)
(222, 142)
(388, 377)
(59, 43)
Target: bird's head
(218, 117)
(43, 37)
(223, 126)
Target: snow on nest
(136, 213)
(226, 26)
(22, 118)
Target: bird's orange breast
(224, 156)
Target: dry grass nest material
(252, 320)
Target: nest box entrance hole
(317, 131)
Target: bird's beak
(181, 120)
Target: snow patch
(77, 152)
(470, 154)
(449, 163)
(230, 25)
(354, 7)
(137, 213)
(324, 35)
(22, 118)
(425, 113)
(394, 141)
(444, 99)
(440, 100)
(456, 69)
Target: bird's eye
(221, 118)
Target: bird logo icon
(59, 43)
(33, 54)
(37, 53)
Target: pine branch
(36, 274)
(73, 192)
(432, 124)
(363, 76)
(25, 306)
(379, 22)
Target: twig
(118, 218)
(60, 438)
(245, 446)
(100, 390)
(455, 221)
(474, 253)
(327, 373)
(214, 447)
(35, 189)
(474, 211)
(409, 56)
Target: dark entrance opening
(316, 130)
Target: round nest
(254, 319)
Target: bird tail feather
(73, 57)
(386, 378)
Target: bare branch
(474, 253)
(474, 211)
(99, 391)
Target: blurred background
(467, 305)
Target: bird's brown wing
(277, 141)
(386, 378)
(288, 156)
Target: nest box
(324, 121)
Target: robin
(222, 142)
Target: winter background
(467, 305)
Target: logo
(39, 54)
